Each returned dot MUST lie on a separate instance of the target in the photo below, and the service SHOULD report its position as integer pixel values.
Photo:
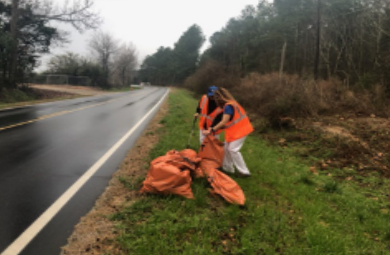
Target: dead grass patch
(335, 142)
(276, 98)
(338, 131)
(70, 89)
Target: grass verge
(27, 96)
(32, 102)
(289, 210)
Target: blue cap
(210, 91)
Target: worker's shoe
(229, 170)
(243, 175)
(223, 170)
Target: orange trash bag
(170, 174)
(212, 153)
(212, 150)
(225, 186)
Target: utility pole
(318, 43)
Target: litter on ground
(173, 173)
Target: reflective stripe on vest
(239, 126)
(242, 116)
(206, 116)
(203, 113)
(203, 116)
(204, 99)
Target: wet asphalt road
(39, 161)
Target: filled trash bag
(212, 153)
(225, 186)
(212, 150)
(170, 174)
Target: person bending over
(208, 111)
(237, 127)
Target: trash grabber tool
(192, 131)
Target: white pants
(233, 157)
(202, 136)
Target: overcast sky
(149, 24)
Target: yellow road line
(56, 114)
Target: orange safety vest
(204, 102)
(239, 126)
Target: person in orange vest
(237, 127)
(208, 112)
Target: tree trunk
(14, 35)
(282, 60)
(317, 56)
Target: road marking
(53, 115)
(58, 114)
(33, 230)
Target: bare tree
(77, 13)
(104, 46)
(125, 63)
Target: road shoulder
(95, 233)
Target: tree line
(174, 65)
(347, 39)
(318, 39)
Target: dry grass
(291, 96)
(276, 98)
(71, 89)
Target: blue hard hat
(210, 91)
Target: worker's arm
(197, 109)
(225, 119)
(217, 119)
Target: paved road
(45, 149)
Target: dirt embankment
(95, 232)
(339, 142)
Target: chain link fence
(59, 79)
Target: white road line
(25, 238)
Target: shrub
(277, 98)
(212, 73)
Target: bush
(212, 73)
(276, 98)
